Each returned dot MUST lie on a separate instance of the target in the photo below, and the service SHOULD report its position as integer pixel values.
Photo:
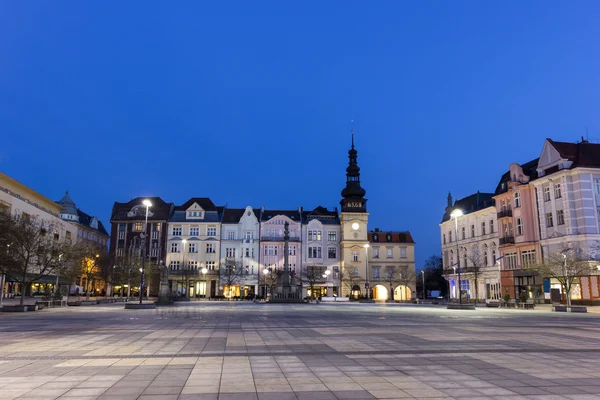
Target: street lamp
(183, 271)
(423, 273)
(147, 203)
(456, 214)
(566, 278)
(366, 246)
(204, 271)
(265, 271)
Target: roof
(233, 215)
(160, 210)
(529, 169)
(181, 216)
(291, 214)
(67, 204)
(583, 154)
(86, 220)
(378, 236)
(475, 202)
(204, 202)
(321, 214)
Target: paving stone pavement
(239, 351)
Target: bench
(333, 299)
(493, 303)
(528, 305)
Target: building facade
(240, 238)
(128, 240)
(568, 204)
(392, 271)
(321, 252)
(518, 232)
(475, 246)
(194, 248)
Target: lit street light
(423, 273)
(147, 203)
(265, 271)
(204, 271)
(367, 287)
(455, 214)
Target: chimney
(583, 140)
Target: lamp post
(265, 271)
(566, 278)
(423, 274)
(148, 204)
(183, 270)
(326, 275)
(366, 246)
(204, 271)
(455, 214)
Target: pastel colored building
(476, 246)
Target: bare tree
(33, 249)
(392, 278)
(231, 273)
(312, 275)
(477, 261)
(93, 260)
(406, 277)
(567, 266)
(350, 278)
(127, 270)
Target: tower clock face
(355, 226)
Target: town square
(242, 350)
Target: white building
(321, 250)
(477, 247)
(240, 233)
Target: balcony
(506, 240)
(505, 213)
(278, 239)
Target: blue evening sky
(251, 102)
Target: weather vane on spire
(352, 131)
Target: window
(375, 252)
(450, 236)
(485, 255)
(355, 272)
(314, 252)
(174, 247)
(211, 231)
(355, 256)
(519, 226)
(517, 200)
(210, 248)
(138, 226)
(315, 235)
(560, 217)
(510, 261)
(176, 231)
(389, 252)
(194, 231)
(376, 271)
(331, 252)
(122, 227)
(192, 248)
(230, 235)
(472, 230)
(193, 265)
(597, 186)
(528, 258)
(557, 192)
(549, 221)
(465, 286)
(230, 252)
(174, 265)
(491, 226)
(494, 255)
(463, 230)
(332, 236)
(444, 238)
(270, 250)
(483, 228)
(247, 252)
(402, 252)
(248, 235)
(547, 193)
(210, 265)
(156, 227)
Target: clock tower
(354, 218)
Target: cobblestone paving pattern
(235, 351)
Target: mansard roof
(294, 215)
(204, 202)
(321, 214)
(475, 202)
(377, 236)
(160, 210)
(529, 169)
(582, 154)
(233, 215)
(86, 220)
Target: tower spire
(353, 194)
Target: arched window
(485, 255)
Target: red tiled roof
(394, 237)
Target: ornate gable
(194, 212)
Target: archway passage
(380, 292)
(402, 293)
